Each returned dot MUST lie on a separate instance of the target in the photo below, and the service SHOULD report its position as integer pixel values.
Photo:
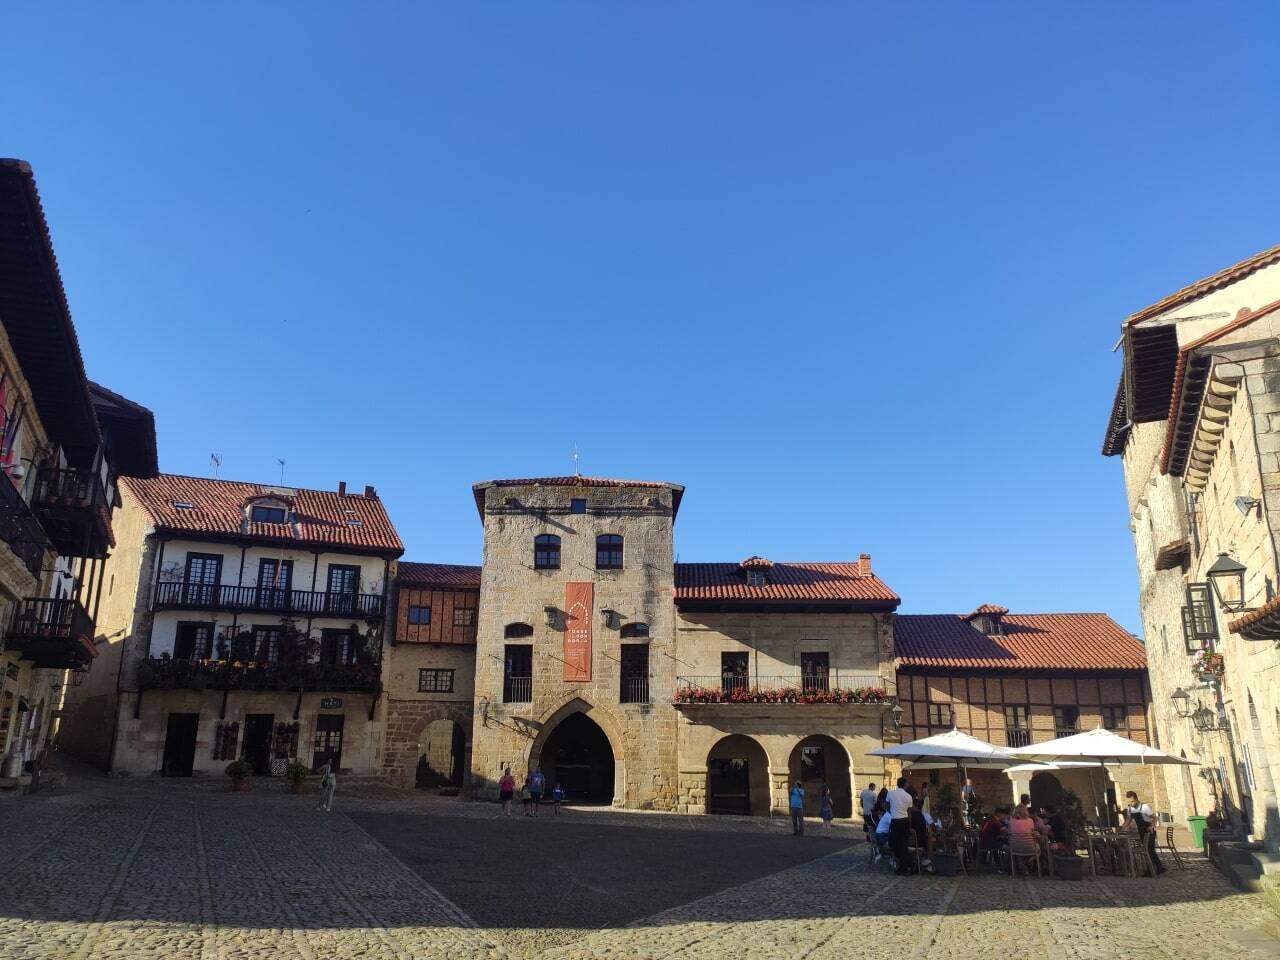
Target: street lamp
(1206, 721)
(1227, 578)
(1181, 703)
(896, 713)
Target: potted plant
(946, 857)
(1067, 864)
(296, 773)
(238, 771)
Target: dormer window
(267, 514)
(757, 578)
(988, 625)
(987, 619)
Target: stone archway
(588, 750)
(820, 761)
(408, 739)
(1046, 791)
(442, 755)
(738, 777)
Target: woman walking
(328, 784)
(506, 786)
(826, 809)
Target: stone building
(63, 440)
(429, 674)
(1017, 679)
(1196, 422)
(243, 620)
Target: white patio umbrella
(1099, 746)
(945, 749)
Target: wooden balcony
(182, 595)
(20, 529)
(75, 509)
(165, 673)
(52, 633)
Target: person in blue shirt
(557, 798)
(797, 810)
(537, 784)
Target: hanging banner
(577, 631)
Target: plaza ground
(178, 870)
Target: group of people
(531, 793)
(826, 809)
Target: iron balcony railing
(21, 529)
(165, 673)
(181, 594)
(75, 508)
(831, 680)
(517, 690)
(1018, 737)
(633, 690)
(82, 488)
(1060, 732)
(53, 633)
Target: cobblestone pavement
(134, 870)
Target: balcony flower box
(1208, 666)
(783, 695)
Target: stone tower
(575, 658)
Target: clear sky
(851, 273)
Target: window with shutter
(1199, 625)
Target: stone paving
(151, 870)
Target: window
(336, 648)
(634, 673)
(344, 585)
(517, 631)
(1199, 627)
(274, 580)
(577, 505)
(733, 671)
(435, 681)
(940, 715)
(463, 617)
(1066, 721)
(267, 514)
(546, 552)
(419, 616)
(193, 641)
(517, 677)
(631, 631)
(1017, 726)
(1116, 719)
(608, 552)
(204, 573)
(815, 671)
(266, 644)
(757, 578)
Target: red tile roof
(323, 517)
(988, 609)
(1224, 277)
(787, 582)
(756, 563)
(1031, 641)
(450, 575)
(677, 491)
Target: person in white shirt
(867, 801)
(1144, 819)
(899, 812)
(882, 833)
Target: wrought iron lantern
(1227, 578)
(1206, 721)
(896, 713)
(1181, 703)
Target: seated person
(884, 818)
(1022, 827)
(994, 834)
(1059, 832)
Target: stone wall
(409, 710)
(642, 736)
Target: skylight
(183, 505)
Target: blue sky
(851, 273)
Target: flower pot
(1069, 868)
(297, 786)
(239, 786)
(946, 864)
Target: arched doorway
(738, 778)
(1046, 791)
(442, 752)
(819, 761)
(577, 755)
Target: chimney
(864, 564)
(369, 493)
(342, 488)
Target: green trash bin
(1197, 830)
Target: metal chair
(1168, 843)
(1134, 855)
(915, 851)
(1023, 849)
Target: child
(526, 798)
(882, 831)
(826, 809)
(557, 797)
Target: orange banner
(577, 631)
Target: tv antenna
(281, 462)
(577, 457)
(215, 460)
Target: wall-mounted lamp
(553, 617)
(1206, 721)
(1247, 504)
(1181, 703)
(611, 617)
(1227, 579)
(896, 714)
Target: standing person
(328, 785)
(537, 784)
(923, 801)
(797, 810)
(826, 809)
(557, 798)
(524, 796)
(1144, 819)
(867, 801)
(899, 812)
(506, 787)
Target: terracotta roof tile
(1268, 609)
(453, 575)
(324, 517)
(1224, 277)
(988, 609)
(842, 582)
(1031, 641)
(677, 491)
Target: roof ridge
(256, 483)
(1244, 267)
